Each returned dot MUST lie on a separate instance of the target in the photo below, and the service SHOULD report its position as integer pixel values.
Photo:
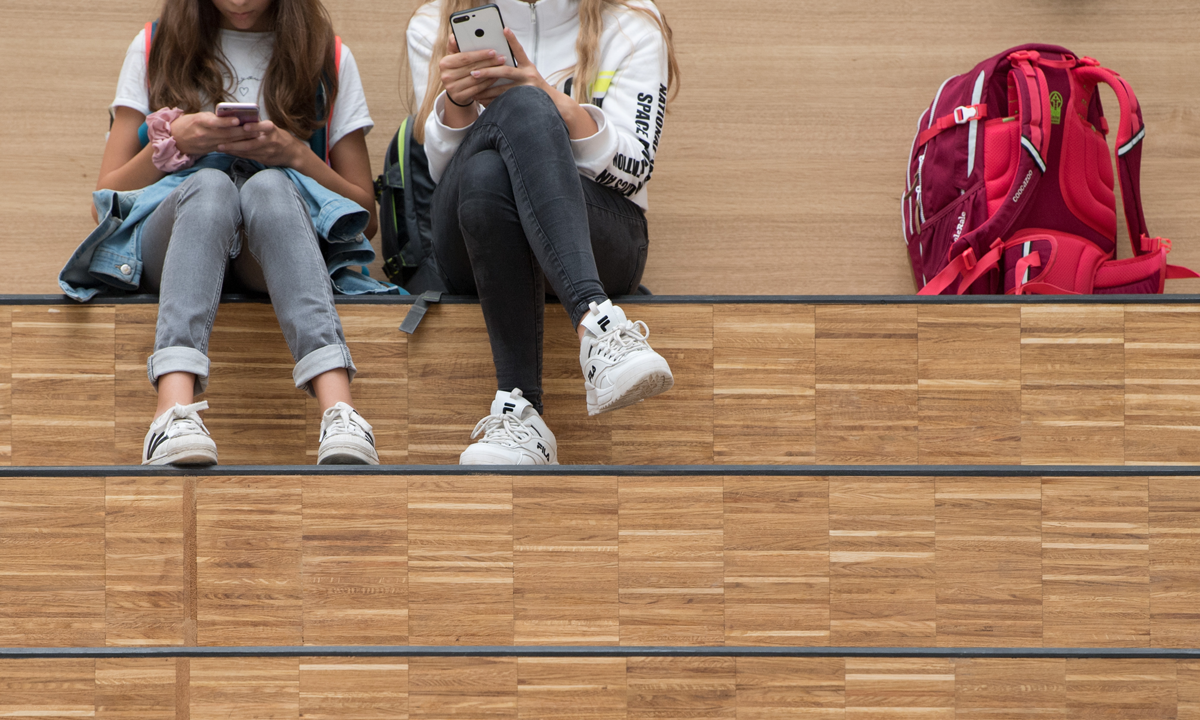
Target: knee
(529, 105)
(485, 193)
(268, 196)
(213, 190)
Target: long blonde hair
(591, 25)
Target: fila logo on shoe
(591, 373)
(603, 323)
(508, 407)
(545, 452)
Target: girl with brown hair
(243, 197)
(541, 170)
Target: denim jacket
(110, 257)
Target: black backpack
(404, 192)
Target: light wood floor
(693, 689)
(582, 560)
(782, 160)
(755, 384)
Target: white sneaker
(346, 438)
(514, 434)
(619, 366)
(178, 437)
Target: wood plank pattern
(764, 397)
(1162, 384)
(575, 688)
(776, 561)
(1174, 562)
(360, 688)
(1096, 562)
(355, 560)
(682, 688)
(248, 545)
(1072, 379)
(144, 564)
(62, 374)
(867, 404)
(595, 688)
(460, 560)
(5, 385)
(565, 549)
(996, 689)
(135, 689)
(882, 562)
(52, 562)
(260, 688)
(989, 562)
(902, 688)
(969, 366)
(671, 564)
(742, 385)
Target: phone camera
(461, 19)
(478, 32)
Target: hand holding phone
(482, 28)
(246, 113)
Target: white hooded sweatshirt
(629, 94)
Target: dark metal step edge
(592, 651)
(683, 300)
(615, 470)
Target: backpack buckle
(1089, 61)
(966, 113)
(1031, 56)
(969, 260)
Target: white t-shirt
(248, 54)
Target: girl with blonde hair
(541, 171)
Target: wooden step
(848, 558)
(604, 689)
(782, 382)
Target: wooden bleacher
(783, 158)
(785, 382)
(779, 174)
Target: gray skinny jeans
(193, 236)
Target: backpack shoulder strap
(337, 69)
(1131, 130)
(150, 28)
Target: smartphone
(482, 28)
(245, 112)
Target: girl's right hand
(456, 68)
(201, 133)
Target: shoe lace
(503, 429)
(621, 340)
(186, 420)
(343, 422)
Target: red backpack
(1010, 183)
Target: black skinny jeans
(512, 206)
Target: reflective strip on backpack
(973, 133)
(1132, 142)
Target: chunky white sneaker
(619, 366)
(514, 434)
(178, 437)
(346, 438)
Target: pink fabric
(166, 155)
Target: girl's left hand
(271, 146)
(524, 74)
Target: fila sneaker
(619, 367)
(346, 438)
(178, 437)
(514, 434)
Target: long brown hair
(186, 66)
(591, 25)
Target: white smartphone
(246, 113)
(482, 28)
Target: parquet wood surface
(558, 560)
(602, 689)
(754, 191)
(754, 384)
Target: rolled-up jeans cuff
(322, 360)
(178, 359)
